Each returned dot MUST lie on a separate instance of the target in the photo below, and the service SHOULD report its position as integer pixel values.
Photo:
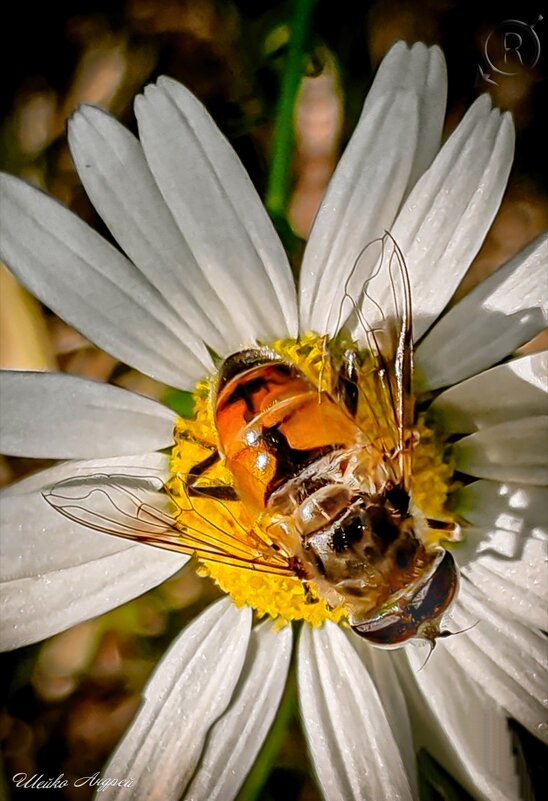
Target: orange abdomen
(272, 423)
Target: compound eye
(436, 596)
(428, 605)
(388, 631)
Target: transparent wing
(144, 509)
(380, 321)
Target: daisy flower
(200, 271)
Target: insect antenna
(444, 633)
(432, 645)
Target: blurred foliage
(67, 701)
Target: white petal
(381, 668)
(510, 572)
(518, 508)
(396, 138)
(218, 213)
(503, 312)
(421, 69)
(461, 727)
(504, 552)
(148, 464)
(354, 751)
(235, 739)
(88, 283)
(56, 573)
(513, 451)
(190, 689)
(61, 416)
(516, 389)
(445, 218)
(354, 211)
(427, 73)
(116, 176)
(507, 659)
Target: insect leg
(453, 530)
(222, 492)
(186, 436)
(346, 386)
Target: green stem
(279, 179)
(262, 766)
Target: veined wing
(144, 509)
(381, 323)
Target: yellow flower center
(230, 527)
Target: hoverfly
(330, 498)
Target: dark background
(68, 700)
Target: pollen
(226, 536)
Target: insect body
(322, 470)
(299, 459)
